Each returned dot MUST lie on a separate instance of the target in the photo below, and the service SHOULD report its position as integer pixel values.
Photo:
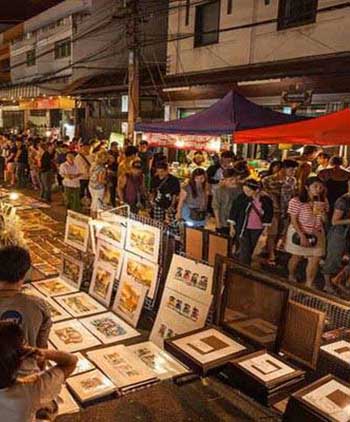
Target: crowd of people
(298, 208)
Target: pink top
(254, 220)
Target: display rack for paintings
(124, 212)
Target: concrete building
(270, 50)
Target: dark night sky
(19, 10)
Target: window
(207, 24)
(62, 49)
(31, 59)
(229, 7)
(294, 13)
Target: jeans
(336, 247)
(21, 174)
(96, 198)
(72, 198)
(84, 188)
(247, 243)
(45, 185)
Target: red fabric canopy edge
(331, 129)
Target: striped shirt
(308, 222)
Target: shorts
(315, 251)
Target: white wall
(330, 34)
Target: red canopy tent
(330, 129)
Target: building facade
(270, 50)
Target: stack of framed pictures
(326, 400)
(205, 350)
(186, 300)
(250, 304)
(161, 363)
(335, 358)
(90, 386)
(127, 371)
(264, 376)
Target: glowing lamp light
(214, 145)
(179, 143)
(14, 196)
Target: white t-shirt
(20, 402)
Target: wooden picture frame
(194, 363)
(217, 245)
(302, 334)
(248, 290)
(195, 243)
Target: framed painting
(54, 287)
(302, 334)
(195, 243)
(191, 278)
(91, 386)
(218, 245)
(72, 271)
(77, 231)
(161, 363)
(111, 255)
(80, 305)
(72, 336)
(141, 271)
(101, 286)
(57, 312)
(129, 301)
(109, 328)
(143, 240)
(112, 229)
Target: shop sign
(185, 142)
(47, 104)
(297, 98)
(284, 146)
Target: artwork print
(129, 301)
(91, 385)
(113, 256)
(83, 365)
(109, 328)
(141, 271)
(191, 278)
(80, 304)
(143, 240)
(54, 287)
(56, 311)
(112, 229)
(77, 231)
(72, 336)
(102, 281)
(72, 271)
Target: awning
(234, 112)
(331, 129)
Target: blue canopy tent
(232, 113)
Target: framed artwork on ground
(161, 363)
(91, 385)
(72, 270)
(54, 287)
(101, 286)
(129, 301)
(66, 404)
(72, 336)
(109, 328)
(83, 365)
(80, 305)
(141, 271)
(57, 312)
(143, 240)
(77, 231)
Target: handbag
(197, 215)
(312, 239)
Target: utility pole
(133, 67)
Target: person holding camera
(306, 235)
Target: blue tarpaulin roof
(232, 113)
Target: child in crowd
(229, 189)
(22, 397)
(30, 312)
